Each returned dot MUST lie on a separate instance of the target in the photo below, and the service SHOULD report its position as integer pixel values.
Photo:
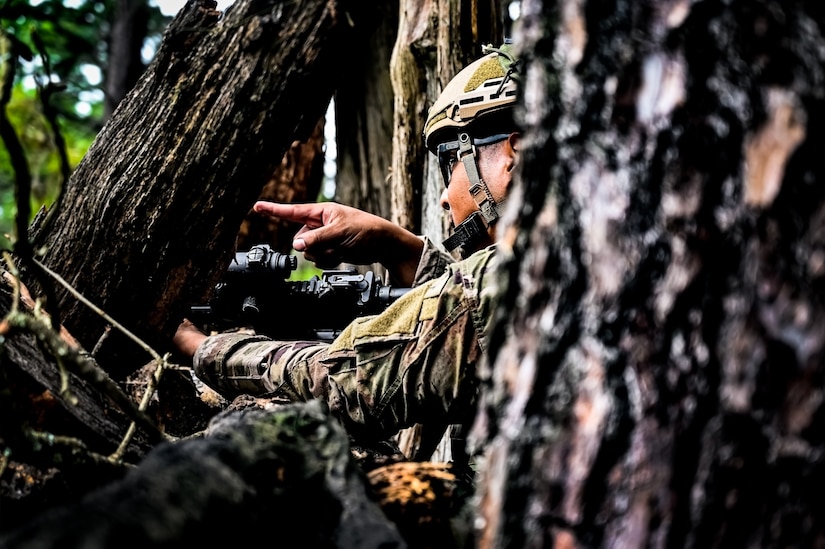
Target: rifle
(255, 293)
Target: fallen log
(286, 473)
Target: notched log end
(193, 17)
(201, 12)
(183, 35)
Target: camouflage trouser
(407, 365)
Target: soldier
(415, 362)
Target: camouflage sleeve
(235, 364)
(433, 263)
(413, 363)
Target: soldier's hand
(333, 233)
(187, 338)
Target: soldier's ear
(513, 140)
(511, 149)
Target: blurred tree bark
(363, 117)
(658, 382)
(130, 24)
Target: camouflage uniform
(413, 363)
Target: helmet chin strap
(470, 232)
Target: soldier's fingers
(308, 214)
(301, 231)
(319, 239)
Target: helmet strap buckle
(478, 188)
(468, 232)
(474, 228)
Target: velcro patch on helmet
(487, 70)
(437, 118)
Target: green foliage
(64, 42)
(305, 269)
(25, 114)
(67, 48)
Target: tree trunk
(129, 28)
(363, 116)
(148, 220)
(665, 387)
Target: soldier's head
(472, 131)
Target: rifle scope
(262, 258)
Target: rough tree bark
(141, 233)
(186, 187)
(665, 385)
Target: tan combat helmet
(474, 109)
(480, 90)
